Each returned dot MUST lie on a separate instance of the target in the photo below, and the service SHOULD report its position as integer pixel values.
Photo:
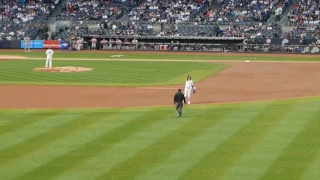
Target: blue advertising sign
(34, 44)
(64, 45)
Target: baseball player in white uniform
(49, 54)
(189, 88)
(78, 44)
(27, 44)
(94, 43)
(104, 43)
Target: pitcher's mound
(63, 69)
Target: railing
(208, 47)
(303, 49)
(158, 46)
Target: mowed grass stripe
(30, 131)
(312, 172)
(45, 155)
(48, 76)
(142, 74)
(7, 116)
(121, 76)
(160, 150)
(51, 136)
(217, 162)
(22, 121)
(190, 153)
(107, 140)
(3, 122)
(294, 160)
(103, 161)
(108, 73)
(263, 154)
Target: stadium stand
(305, 19)
(93, 10)
(85, 14)
(168, 11)
(66, 33)
(19, 18)
(191, 29)
(304, 32)
(230, 18)
(239, 11)
(306, 12)
(112, 29)
(252, 30)
(210, 29)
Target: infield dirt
(241, 82)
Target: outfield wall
(213, 44)
(35, 44)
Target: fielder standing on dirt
(49, 54)
(189, 88)
(179, 100)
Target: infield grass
(107, 73)
(272, 140)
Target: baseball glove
(194, 91)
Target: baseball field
(109, 115)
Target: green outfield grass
(107, 73)
(273, 140)
(270, 140)
(164, 55)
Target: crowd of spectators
(92, 9)
(18, 19)
(252, 30)
(305, 17)
(168, 11)
(72, 32)
(304, 32)
(31, 11)
(240, 11)
(236, 30)
(191, 29)
(112, 29)
(127, 29)
(12, 31)
(306, 12)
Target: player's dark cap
(179, 90)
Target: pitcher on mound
(49, 54)
(189, 88)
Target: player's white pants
(26, 46)
(187, 92)
(93, 46)
(78, 47)
(49, 62)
